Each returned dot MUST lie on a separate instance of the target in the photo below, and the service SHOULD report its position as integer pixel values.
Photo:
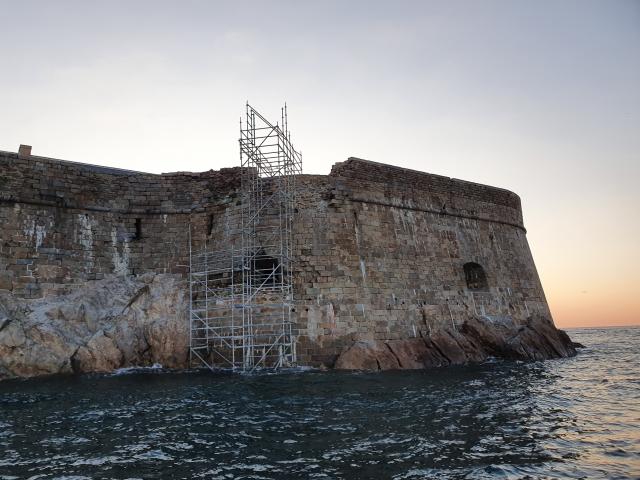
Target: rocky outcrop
(99, 326)
(125, 321)
(476, 340)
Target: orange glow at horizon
(588, 257)
(583, 297)
(592, 309)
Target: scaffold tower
(242, 297)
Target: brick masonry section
(379, 250)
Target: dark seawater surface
(570, 418)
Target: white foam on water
(129, 370)
(153, 455)
(94, 461)
(71, 477)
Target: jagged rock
(565, 339)
(477, 340)
(141, 320)
(411, 353)
(100, 354)
(445, 343)
(96, 327)
(367, 355)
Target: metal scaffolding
(242, 298)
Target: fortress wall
(63, 223)
(379, 249)
(412, 189)
(380, 258)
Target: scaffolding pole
(241, 299)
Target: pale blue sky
(542, 98)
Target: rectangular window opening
(138, 234)
(210, 224)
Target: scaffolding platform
(241, 299)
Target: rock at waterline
(98, 326)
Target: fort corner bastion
(393, 268)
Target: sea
(570, 418)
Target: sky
(542, 98)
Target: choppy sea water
(570, 418)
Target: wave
(135, 369)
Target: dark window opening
(267, 270)
(475, 276)
(138, 234)
(210, 224)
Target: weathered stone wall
(379, 252)
(63, 223)
(381, 255)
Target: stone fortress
(393, 268)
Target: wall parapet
(393, 176)
(390, 186)
(47, 182)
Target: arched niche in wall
(475, 276)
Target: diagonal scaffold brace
(242, 298)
